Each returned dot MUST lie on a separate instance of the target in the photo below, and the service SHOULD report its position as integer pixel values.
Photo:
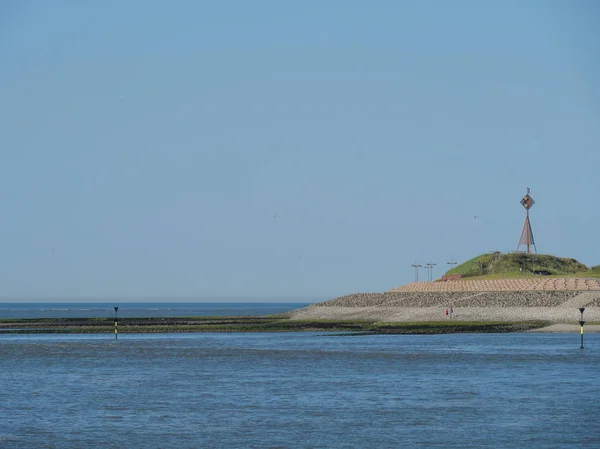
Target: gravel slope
(555, 306)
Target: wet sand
(569, 328)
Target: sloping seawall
(556, 301)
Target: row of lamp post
(429, 266)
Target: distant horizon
(224, 300)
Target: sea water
(143, 309)
(299, 390)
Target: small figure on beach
(451, 312)
(446, 313)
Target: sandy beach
(559, 315)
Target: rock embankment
(389, 299)
(518, 299)
(455, 299)
(554, 306)
(594, 303)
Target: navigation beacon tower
(527, 234)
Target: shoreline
(568, 328)
(552, 315)
(282, 323)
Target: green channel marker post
(116, 332)
(581, 323)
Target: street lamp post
(116, 310)
(451, 263)
(416, 266)
(430, 265)
(581, 323)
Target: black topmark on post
(116, 310)
(581, 323)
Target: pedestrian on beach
(446, 313)
(451, 312)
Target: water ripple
(298, 390)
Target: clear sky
(272, 149)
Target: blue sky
(274, 149)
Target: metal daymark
(527, 234)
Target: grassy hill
(494, 266)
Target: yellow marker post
(116, 328)
(581, 323)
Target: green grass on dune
(511, 265)
(529, 275)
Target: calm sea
(143, 309)
(299, 390)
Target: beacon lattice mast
(527, 234)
